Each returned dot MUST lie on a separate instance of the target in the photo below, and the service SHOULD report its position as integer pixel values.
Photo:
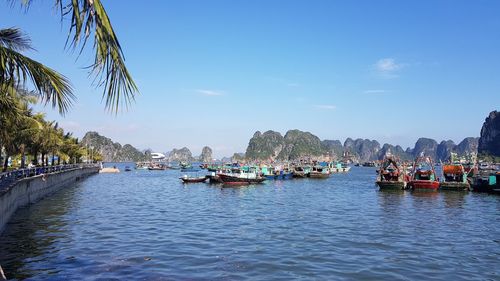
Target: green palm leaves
(18, 71)
(109, 68)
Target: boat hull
(424, 185)
(391, 185)
(227, 179)
(457, 186)
(315, 175)
(193, 180)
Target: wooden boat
(234, 179)
(187, 179)
(338, 167)
(301, 171)
(319, 172)
(156, 168)
(454, 177)
(239, 176)
(392, 175)
(276, 173)
(486, 182)
(424, 175)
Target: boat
(486, 182)
(301, 171)
(276, 173)
(319, 172)
(239, 176)
(156, 167)
(369, 164)
(127, 169)
(454, 176)
(187, 179)
(338, 167)
(424, 175)
(392, 175)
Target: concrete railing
(22, 187)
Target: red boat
(424, 175)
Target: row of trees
(27, 135)
(24, 81)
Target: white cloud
(325, 106)
(375, 91)
(388, 67)
(211, 93)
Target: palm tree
(17, 70)
(89, 18)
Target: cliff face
(362, 150)
(180, 155)
(299, 144)
(112, 151)
(489, 142)
(272, 146)
(265, 146)
(206, 155)
(397, 151)
(425, 146)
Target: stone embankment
(20, 188)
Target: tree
(89, 20)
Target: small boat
(338, 167)
(187, 179)
(276, 173)
(319, 172)
(301, 171)
(127, 169)
(241, 176)
(486, 182)
(156, 168)
(454, 176)
(392, 175)
(424, 175)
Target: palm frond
(16, 70)
(108, 68)
(15, 39)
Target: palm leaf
(16, 70)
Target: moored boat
(301, 171)
(424, 175)
(392, 175)
(187, 179)
(239, 176)
(454, 177)
(319, 172)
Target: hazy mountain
(112, 151)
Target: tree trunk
(53, 158)
(35, 157)
(23, 156)
(43, 159)
(6, 163)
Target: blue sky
(214, 72)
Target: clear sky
(213, 72)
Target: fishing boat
(424, 175)
(319, 172)
(392, 175)
(338, 167)
(187, 179)
(239, 176)
(486, 182)
(276, 173)
(301, 171)
(156, 167)
(454, 176)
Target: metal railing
(9, 177)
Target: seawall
(29, 190)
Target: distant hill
(295, 144)
(113, 151)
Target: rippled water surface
(147, 225)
